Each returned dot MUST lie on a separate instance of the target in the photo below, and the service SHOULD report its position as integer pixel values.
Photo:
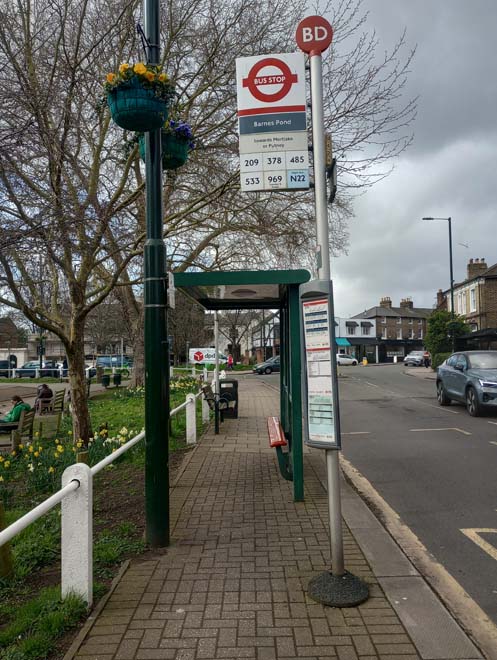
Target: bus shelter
(265, 289)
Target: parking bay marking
(474, 535)
(446, 429)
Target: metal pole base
(345, 590)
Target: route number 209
(251, 162)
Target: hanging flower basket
(176, 142)
(138, 97)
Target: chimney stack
(476, 267)
(386, 301)
(441, 299)
(406, 303)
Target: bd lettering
(317, 33)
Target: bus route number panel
(285, 170)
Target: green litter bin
(105, 380)
(117, 379)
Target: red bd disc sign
(314, 35)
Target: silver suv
(414, 359)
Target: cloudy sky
(450, 169)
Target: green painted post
(156, 348)
(294, 366)
(283, 369)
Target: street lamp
(451, 279)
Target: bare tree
(71, 195)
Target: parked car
(267, 367)
(343, 360)
(4, 369)
(28, 370)
(469, 377)
(50, 369)
(414, 359)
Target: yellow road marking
(447, 429)
(474, 535)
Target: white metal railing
(76, 498)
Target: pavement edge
(467, 613)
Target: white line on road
(474, 535)
(357, 433)
(453, 412)
(448, 429)
(493, 423)
(492, 442)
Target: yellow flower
(163, 77)
(36, 454)
(138, 68)
(40, 448)
(110, 77)
(37, 434)
(6, 464)
(79, 443)
(1, 478)
(21, 446)
(2, 459)
(31, 450)
(150, 76)
(69, 433)
(60, 449)
(56, 455)
(74, 450)
(124, 67)
(13, 453)
(51, 469)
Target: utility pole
(156, 347)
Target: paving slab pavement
(233, 583)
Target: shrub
(438, 358)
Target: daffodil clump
(147, 76)
(184, 384)
(40, 464)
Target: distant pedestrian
(426, 359)
(230, 362)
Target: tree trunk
(81, 423)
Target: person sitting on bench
(10, 421)
(43, 398)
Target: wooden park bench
(24, 431)
(47, 425)
(53, 405)
(277, 440)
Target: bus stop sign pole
(338, 587)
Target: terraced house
(394, 331)
(475, 298)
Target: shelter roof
(239, 289)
